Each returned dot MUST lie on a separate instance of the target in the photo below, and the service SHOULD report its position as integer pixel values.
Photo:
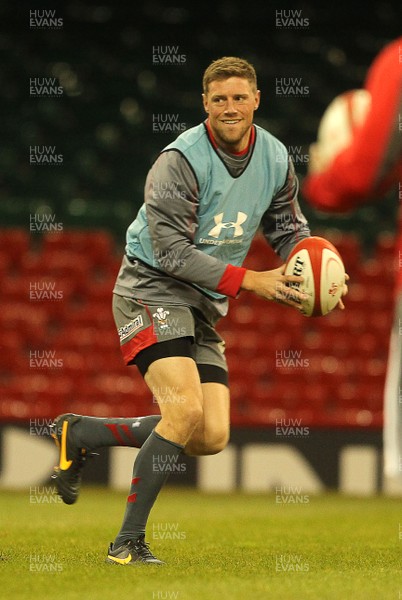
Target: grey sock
(94, 432)
(155, 461)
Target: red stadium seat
(100, 289)
(339, 381)
(92, 314)
(95, 247)
(30, 319)
(15, 242)
(376, 271)
(6, 264)
(66, 263)
(76, 336)
(385, 246)
(381, 324)
(51, 293)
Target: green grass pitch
(216, 547)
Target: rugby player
(206, 195)
(366, 170)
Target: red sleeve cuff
(231, 281)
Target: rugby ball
(320, 263)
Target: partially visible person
(369, 167)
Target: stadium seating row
(60, 350)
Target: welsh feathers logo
(221, 224)
(161, 315)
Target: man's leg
(179, 377)
(97, 432)
(212, 433)
(77, 436)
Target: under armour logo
(219, 225)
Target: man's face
(230, 104)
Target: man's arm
(171, 199)
(360, 171)
(284, 224)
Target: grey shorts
(141, 325)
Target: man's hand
(345, 291)
(271, 285)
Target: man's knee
(192, 416)
(217, 443)
(182, 417)
(209, 443)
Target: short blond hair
(229, 66)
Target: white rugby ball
(320, 263)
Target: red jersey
(372, 164)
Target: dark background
(102, 56)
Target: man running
(206, 195)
